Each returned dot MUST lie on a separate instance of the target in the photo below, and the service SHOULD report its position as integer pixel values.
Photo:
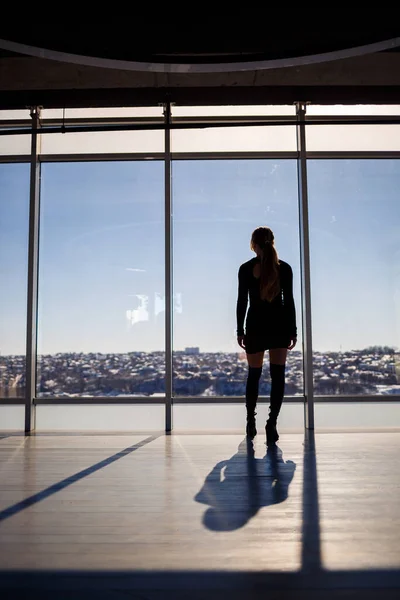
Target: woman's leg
(277, 358)
(255, 362)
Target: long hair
(269, 279)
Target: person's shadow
(237, 488)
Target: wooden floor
(200, 516)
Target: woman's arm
(287, 287)
(241, 305)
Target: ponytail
(269, 277)
(269, 283)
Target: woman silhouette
(270, 325)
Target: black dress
(268, 324)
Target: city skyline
(373, 371)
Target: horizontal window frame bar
(80, 121)
(48, 130)
(353, 154)
(180, 156)
(160, 400)
(201, 120)
(12, 401)
(389, 398)
(160, 156)
(144, 400)
(253, 155)
(97, 157)
(54, 129)
(230, 400)
(103, 121)
(374, 398)
(15, 158)
(288, 399)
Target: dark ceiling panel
(204, 96)
(163, 46)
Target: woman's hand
(240, 339)
(293, 342)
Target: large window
(101, 279)
(102, 259)
(216, 206)
(355, 275)
(14, 215)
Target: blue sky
(102, 251)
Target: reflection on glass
(14, 215)
(138, 314)
(355, 275)
(216, 206)
(101, 266)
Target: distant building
(193, 351)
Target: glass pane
(14, 227)
(8, 115)
(217, 205)
(15, 144)
(12, 418)
(100, 142)
(354, 415)
(100, 417)
(353, 109)
(101, 279)
(231, 417)
(355, 275)
(349, 138)
(233, 111)
(103, 113)
(235, 139)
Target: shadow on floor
(10, 511)
(311, 532)
(199, 585)
(237, 488)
